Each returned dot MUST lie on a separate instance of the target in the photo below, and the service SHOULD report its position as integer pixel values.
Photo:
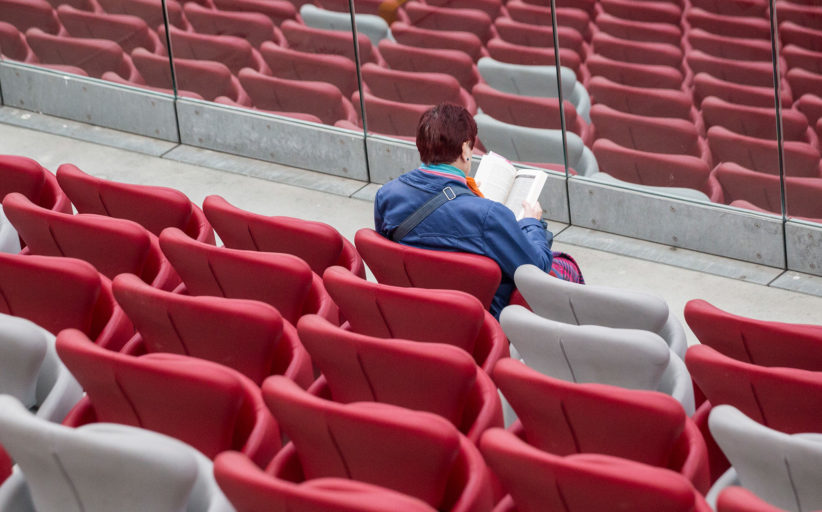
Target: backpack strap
(448, 193)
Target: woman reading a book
(437, 206)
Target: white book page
(527, 187)
(495, 176)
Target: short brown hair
(441, 132)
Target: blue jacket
(466, 224)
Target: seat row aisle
(269, 374)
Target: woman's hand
(532, 210)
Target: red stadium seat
(234, 52)
(387, 311)
(758, 73)
(656, 134)
(249, 489)
(429, 60)
(656, 169)
(413, 452)
(811, 106)
(277, 10)
(748, 27)
(24, 175)
(26, 14)
(719, 45)
(798, 57)
(804, 82)
(762, 190)
(13, 45)
(83, 299)
(564, 418)
(755, 121)
(254, 27)
(645, 101)
(645, 11)
(450, 19)
(428, 38)
(321, 99)
(207, 405)
(281, 280)
(809, 16)
(362, 6)
(636, 52)
(512, 53)
(438, 378)
(586, 5)
(153, 207)
(533, 35)
(151, 11)
(739, 499)
(808, 38)
(315, 40)
(753, 341)
(415, 87)
(403, 265)
(707, 85)
(525, 12)
(489, 7)
(129, 32)
(297, 65)
(801, 159)
(641, 31)
(755, 8)
(94, 56)
(248, 336)
(538, 480)
(389, 117)
(636, 75)
(208, 79)
(113, 246)
(529, 111)
(317, 243)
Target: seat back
(128, 31)
(563, 417)
(24, 175)
(411, 87)
(151, 11)
(254, 27)
(321, 99)
(94, 56)
(88, 469)
(113, 246)
(528, 34)
(277, 10)
(629, 358)
(755, 341)
(365, 441)
(637, 52)
(782, 469)
(527, 111)
(646, 101)
(511, 53)
(720, 45)
(575, 304)
(13, 45)
(240, 334)
(250, 489)
(763, 190)
(335, 42)
(155, 208)
(540, 81)
(298, 65)
(784, 399)
(281, 280)
(82, 300)
(758, 73)
(706, 85)
(761, 155)
(739, 499)
(401, 265)
(360, 368)
(23, 350)
(743, 26)
(25, 14)
(317, 243)
(236, 53)
(447, 18)
(207, 78)
(538, 481)
(390, 117)
(412, 35)
(439, 316)
(199, 402)
(430, 60)
(654, 32)
(633, 74)
(659, 135)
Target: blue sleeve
(514, 243)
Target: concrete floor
(347, 205)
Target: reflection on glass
(800, 35)
(94, 38)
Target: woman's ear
(466, 151)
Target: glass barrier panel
(682, 97)
(799, 29)
(94, 38)
(272, 56)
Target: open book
(500, 181)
